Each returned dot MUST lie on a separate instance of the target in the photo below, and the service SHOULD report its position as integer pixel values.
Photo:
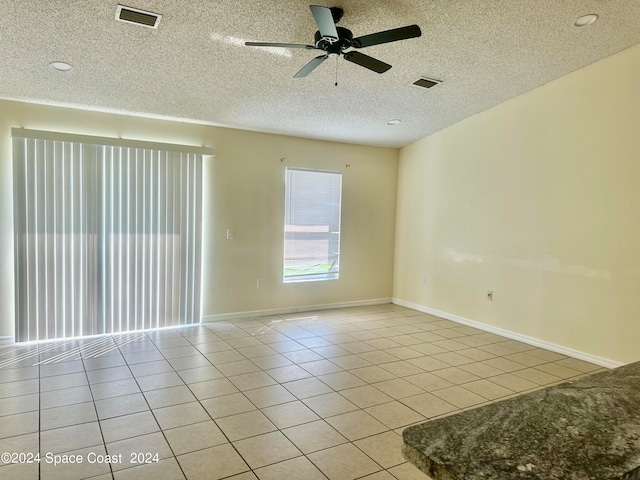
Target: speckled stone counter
(588, 429)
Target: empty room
(269, 240)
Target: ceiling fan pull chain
(337, 71)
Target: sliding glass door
(107, 237)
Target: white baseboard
(7, 340)
(281, 311)
(570, 352)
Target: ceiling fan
(335, 40)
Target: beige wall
(537, 199)
(244, 190)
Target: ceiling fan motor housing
(345, 38)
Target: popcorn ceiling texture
(195, 68)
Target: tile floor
(317, 395)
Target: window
(312, 225)
(107, 235)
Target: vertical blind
(312, 225)
(107, 237)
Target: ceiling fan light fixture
(61, 66)
(394, 121)
(585, 20)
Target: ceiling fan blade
(387, 36)
(309, 67)
(324, 20)
(281, 45)
(367, 62)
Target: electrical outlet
(258, 281)
(424, 280)
(490, 295)
(229, 233)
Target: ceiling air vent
(138, 17)
(426, 82)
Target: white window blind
(312, 225)
(107, 236)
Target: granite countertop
(588, 429)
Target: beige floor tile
(320, 367)
(303, 356)
(200, 374)
(453, 359)
(212, 463)
(428, 405)
(257, 351)
(476, 354)
(356, 425)
(67, 415)
(331, 351)
(23, 387)
(226, 405)
(181, 414)
(488, 389)
(266, 449)
(229, 356)
(142, 357)
(167, 397)
(116, 388)
(358, 347)
(167, 469)
(159, 380)
(236, 367)
(287, 346)
(109, 374)
(373, 374)
(512, 382)
(21, 424)
(402, 353)
(365, 396)
(428, 349)
(28, 443)
(385, 448)
(124, 405)
(398, 388)
(295, 469)
(243, 425)
(407, 471)
(85, 469)
(394, 414)
(382, 475)
(537, 376)
(152, 444)
(244, 342)
(558, 370)
(272, 361)
(314, 436)
(290, 414)
(21, 471)
(351, 361)
(70, 438)
(243, 476)
(212, 388)
(341, 380)
(402, 368)
(150, 368)
(268, 396)
(329, 404)
(344, 462)
(496, 349)
(307, 387)
(547, 355)
(127, 426)
(19, 404)
(378, 357)
(67, 396)
(288, 373)
(456, 375)
(428, 381)
(501, 363)
(525, 359)
(196, 436)
(249, 381)
(460, 397)
(481, 370)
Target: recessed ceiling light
(394, 121)
(61, 66)
(585, 20)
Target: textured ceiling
(194, 66)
